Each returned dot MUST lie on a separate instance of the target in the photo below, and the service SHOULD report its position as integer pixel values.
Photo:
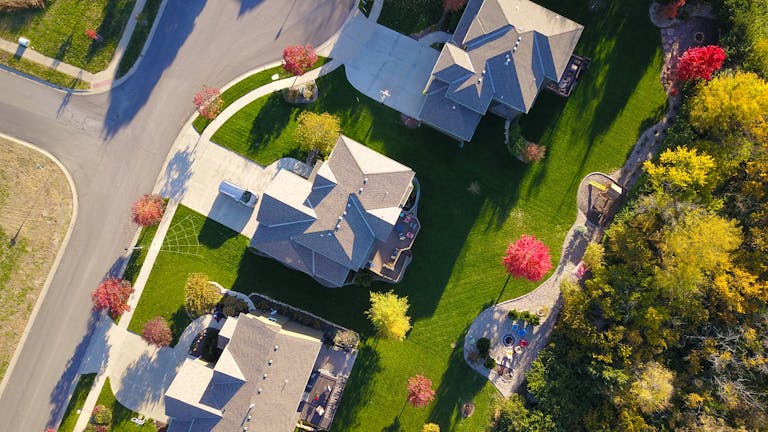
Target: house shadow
(145, 380)
(173, 28)
(247, 5)
(60, 395)
(360, 390)
(213, 233)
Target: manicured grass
(51, 75)
(139, 37)
(456, 271)
(58, 31)
(246, 85)
(410, 16)
(76, 403)
(139, 253)
(121, 416)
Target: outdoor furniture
(413, 225)
(523, 343)
(139, 420)
(515, 327)
(407, 218)
(409, 235)
(401, 237)
(522, 332)
(518, 349)
(394, 254)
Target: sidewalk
(98, 80)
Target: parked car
(237, 193)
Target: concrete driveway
(385, 65)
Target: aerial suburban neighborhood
(383, 215)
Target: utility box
(24, 42)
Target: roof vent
(519, 38)
(270, 362)
(258, 391)
(276, 347)
(265, 376)
(360, 191)
(365, 180)
(514, 49)
(453, 107)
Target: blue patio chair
(515, 327)
(521, 333)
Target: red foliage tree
(453, 5)
(700, 63)
(420, 391)
(298, 59)
(528, 258)
(208, 102)
(157, 332)
(112, 294)
(148, 210)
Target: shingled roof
(262, 372)
(327, 226)
(502, 51)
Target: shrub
(346, 339)
(533, 153)
(6, 5)
(101, 415)
(208, 102)
(489, 363)
(525, 316)
(232, 306)
(199, 295)
(483, 346)
(157, 332)
(430, 427)
(388, 314)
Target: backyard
(59, 30)
(473, 202)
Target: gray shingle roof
(355, 198)
(275, 389)
(513, 47)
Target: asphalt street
(114, 145)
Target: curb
(56, 261)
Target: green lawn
(76, 402)
(246, 85)
(58, 31)
(139, 253)
(121, 416)
(139, 36)
(456, 270)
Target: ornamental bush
(101, 415)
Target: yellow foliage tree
(736, 291)
(317, 131)
(732, 103)
(199, 295)
(653, 388)
(388, 315)
(681, 169)
(430, 427)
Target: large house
(501, 54)
(271, 375)
(350, 214)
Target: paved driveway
(385, 65)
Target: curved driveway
(114, 145)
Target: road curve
(114, 145)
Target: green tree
(732, 103)
(388, 315)
(653, 388)
(514, 417)
(199, 295)
(317, 132)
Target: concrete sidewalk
(99, 80)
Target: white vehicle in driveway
(238, 193)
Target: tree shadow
(147, 378)
(110, 29)
(270, 122)
(178, 173)
(63, 48)
(449, 397)
(173, 28)
(97, 361)
(359, 390)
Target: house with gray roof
(348, 215)
(498, 59)
(257, 384)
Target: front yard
(473, 202)
(58, 30)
